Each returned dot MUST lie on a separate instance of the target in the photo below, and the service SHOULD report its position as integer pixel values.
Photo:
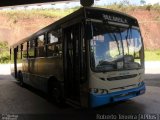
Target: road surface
(27, 104)
(152, 73)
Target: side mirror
(88, 31)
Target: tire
(20, 77)
(55, 92)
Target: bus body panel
(130, 79)
(103, 99)
(39, 71)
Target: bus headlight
(139, 84)
(95, 90)
(98, 91)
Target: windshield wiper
(117, 43)
(115, 40)
(127, 39)
(122, 46)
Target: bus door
(72, 63)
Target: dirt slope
(150, 27)
(13, 30)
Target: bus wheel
(55, 92)
(20, 77)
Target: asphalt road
(27, 104)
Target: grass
(16, 15)
(4, 52)
(152, 55)
(131, 7)
(26, 14)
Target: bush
(148, 7)
(4, 52)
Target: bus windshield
(115, 47)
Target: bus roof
(84, 12)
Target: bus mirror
(88, 31)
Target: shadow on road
(40, 94)
(152, 79)
(122, 107)
(37, 102)
(6, 77)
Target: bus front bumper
(99, 100)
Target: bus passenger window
(31, 51)
(40, 40)
(40, 46)
(52, 38)
(24, 50)
(19, 52)
(53, 50)
(53, 46)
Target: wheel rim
(20, 79)
(56, 94)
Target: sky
(131, 1)
(102, 2)
(77, 3)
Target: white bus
(89, 58)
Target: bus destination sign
(114, 18)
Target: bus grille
(121, 77)
(124, 87)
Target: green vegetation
(123, 6)
(38, 13)
(152, 55)
(4, 52)
(126, 7)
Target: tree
(4, 52)
(142, 2)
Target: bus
(90, 58)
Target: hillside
(16, 25)
(150, 27)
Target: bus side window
(19, 52)
(24, 50)
(54, 47)
(40, 46)
(52, 38)
(31, 47)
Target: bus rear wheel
(55, 92)
(20, 78)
